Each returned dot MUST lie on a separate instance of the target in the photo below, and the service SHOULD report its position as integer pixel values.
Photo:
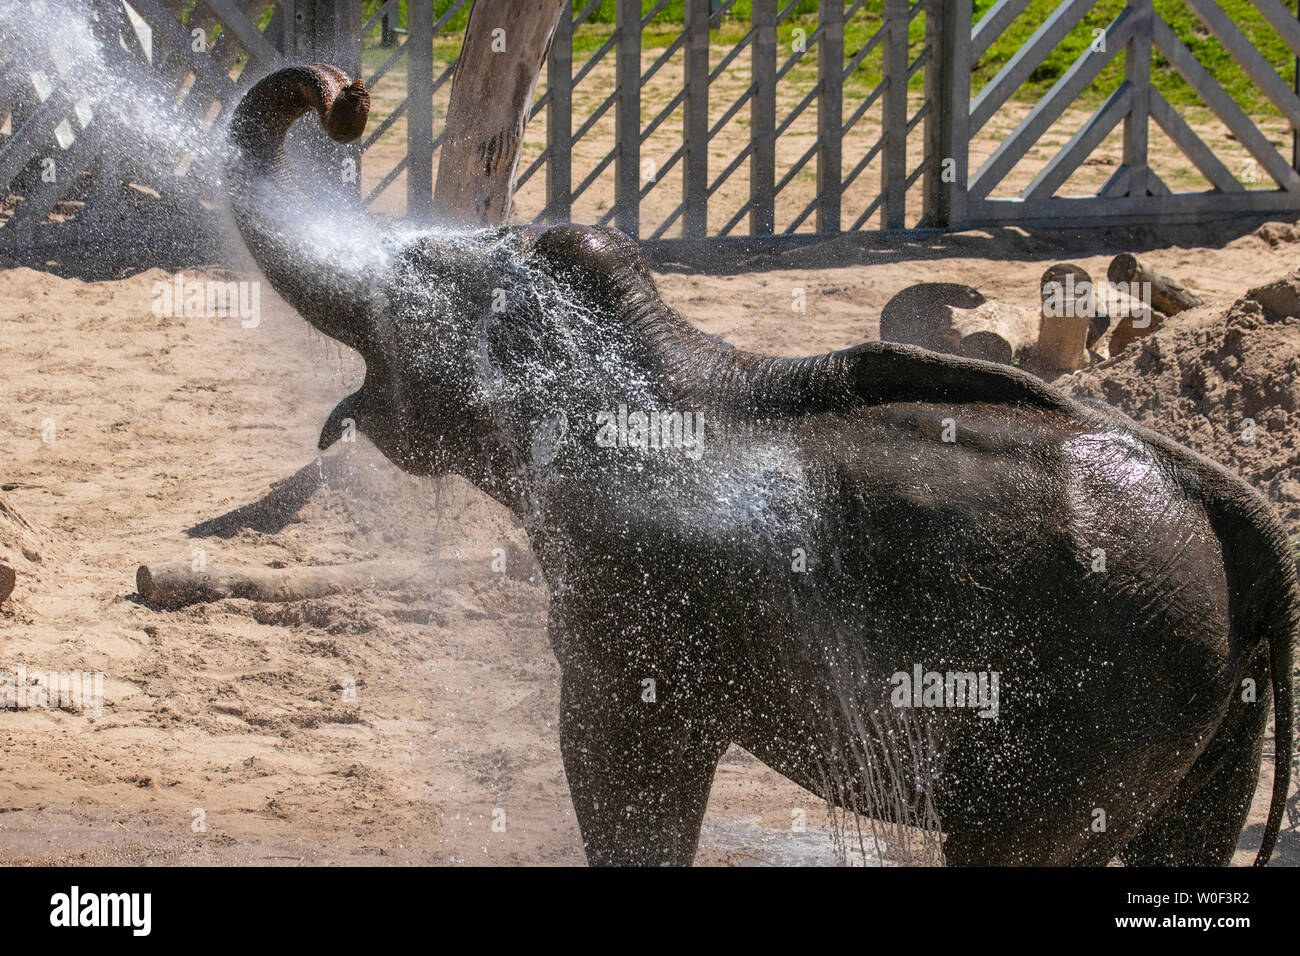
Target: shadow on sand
(730, 256)
(277, 508)
(119, 254)
(1287, 852)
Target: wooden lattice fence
(1135, 192)
(866, 115)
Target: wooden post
(329, 31)
(695, 174)
(1137, 72)
(948, 33)
(934, 119)
(419, 112)
(337, 34)
(1132, 327)
(1295, 86)
(830, 114)
(388, 28)
(345, 24)
(1069, 300)
(559, 121)
(506, 45)
(762, 120)
(894, 168)
(627, 119)
(292, 42)
(109, 179)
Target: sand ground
(175, 434)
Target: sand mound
(1208, 375)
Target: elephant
(925, 588)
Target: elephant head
(412, 307)
(476, 342)
(480, 348)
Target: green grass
(667, 25)
(1216, 59)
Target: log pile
(1078, 321)
(1166, 297)
(954, 318)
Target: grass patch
(589, 37)
(1189, 28)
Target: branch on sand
(178, 583)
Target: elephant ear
(883, 372)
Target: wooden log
(916, 315)
(506, 44)
(1133, 327)
(995, 331)
(1098, 327)
(178, 583)
(7, 580)
(1167, 295)
(1067, 317)
(954, 318)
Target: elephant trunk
(291, 238)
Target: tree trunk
(505, 48)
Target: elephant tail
(1262, 576)
(1281, 624)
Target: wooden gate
(682, 121)
(1136, 192)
